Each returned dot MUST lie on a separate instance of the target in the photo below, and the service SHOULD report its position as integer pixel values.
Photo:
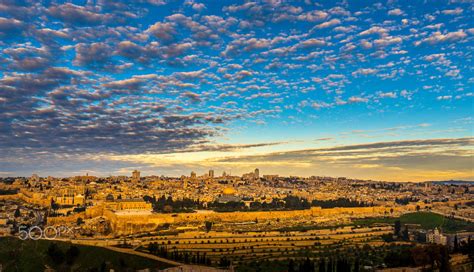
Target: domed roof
(109, 197)
(229, 191)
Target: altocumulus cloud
(156, 77)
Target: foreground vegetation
(30, 255)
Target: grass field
(29, 255)
(427, 220)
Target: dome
(109, 197)
(229, 191)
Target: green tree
(455, 244)
(397, 227)
(405, 235)
(322, 265)
(153, 248)
(307, 266)
(357, 265)
(291, 266)
(208, 226)
(55, 254)
(71, 254)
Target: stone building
(436, 237)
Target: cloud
(130, 84)
(94, 79)
(409, 160)
(246, 45)
(196, 6)
(9, 27)
(395, 12)
(330, 23)
(311, 43)
(31, 64)
(455, 11)
(96, 55)
(461, 142)
(374, 30)
(433, 57)
(131, 50)
(387, 95)
(387, 40)
(324, 139)
(364, 72)
(313, 16)
(163, 31)
(194, 97)
(320, 105)
(444, 97)
(357, 99)
(438, 37)
(406, 94)
(227, 147)
(366, 44)
(190, 74)
(81, 15)
(453, 73)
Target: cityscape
(236, 136)
(246, 222)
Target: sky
(377, 90)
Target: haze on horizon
(363, 89)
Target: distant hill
(454, 182)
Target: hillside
(29, 255)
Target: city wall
(32, 198)
(65, 219)
(134, 223)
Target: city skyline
(374, 90)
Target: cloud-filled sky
(365, 89)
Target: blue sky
(168, 86)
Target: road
(143, 254)
(454, 216)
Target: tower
(211, 173)
(185, 183)
(136, 176)
(256, 173)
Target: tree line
(168, 204)
(185, 257)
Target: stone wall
(138, 222)
(69, 219)
(130, 223)
(28, 198)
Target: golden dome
(229, 191)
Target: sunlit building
(211, 173)
(136, 176)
